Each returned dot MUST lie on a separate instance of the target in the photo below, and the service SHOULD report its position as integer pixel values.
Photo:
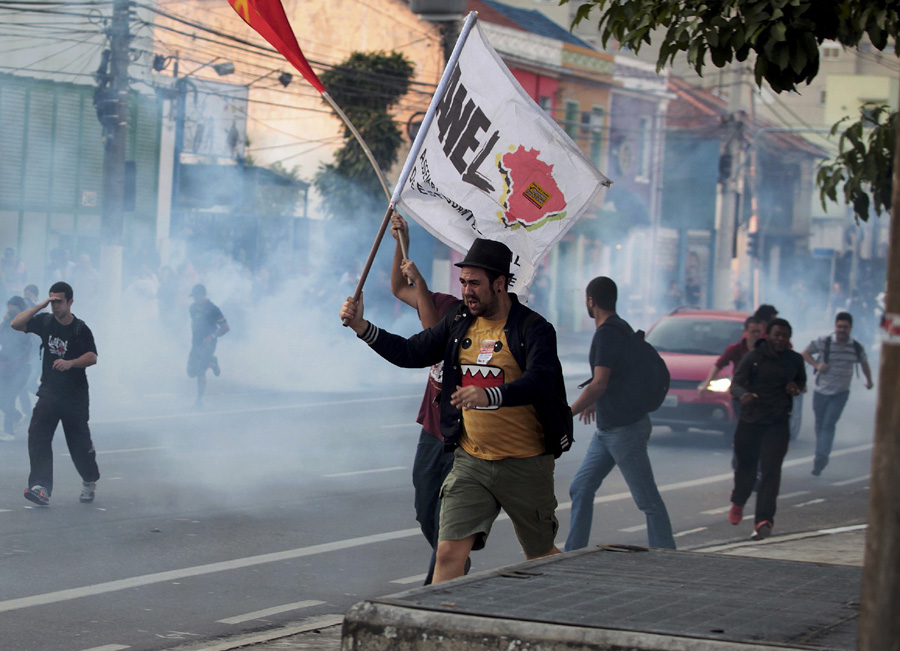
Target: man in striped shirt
(833, 358)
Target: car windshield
(694, 336)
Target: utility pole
(115, 121)
(728, 195)
(879, 626)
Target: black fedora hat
(490, 255)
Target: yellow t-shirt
(495, 432)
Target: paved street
(268, 508)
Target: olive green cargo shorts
(476, 490)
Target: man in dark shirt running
(68, 349)
(766, 382)
(207, 325)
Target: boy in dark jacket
(766, 381)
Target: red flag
(268, 18)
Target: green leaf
(778, 32)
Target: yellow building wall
(846, 93)
(293, 125)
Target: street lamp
(222, 69)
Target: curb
(780, 539)
(252, 639)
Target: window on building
(830, 51)
(585, 123)
(571, 119)
(546, 103)
(645, 140)
(596, 151)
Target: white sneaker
(88, 488)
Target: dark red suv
(690, 340)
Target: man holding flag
(500, 370)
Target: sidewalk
(837, 552)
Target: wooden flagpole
(413, 152)
(384, 186)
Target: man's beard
(485, 309)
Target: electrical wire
(49, 56)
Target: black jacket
(535, 354)
(766, 373)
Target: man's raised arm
(407, 283)
(20, 321)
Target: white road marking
(260, 614)
(251, 410)
(108, 647)
(5, 510)
(365, 472)
(350, 543)
(401, 425)
(852, 527)
(702, 481)
(201, 570)
(712, 479)
(816, 501)
(689, 532)
(851, 481)
(418, 578)
(640, 527)
(725, 509)
(840, 453)
(159, 447)
(780, 539)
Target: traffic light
(753, 244)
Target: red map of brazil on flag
(531, 196)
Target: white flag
(493, 164)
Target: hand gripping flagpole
(416, 146)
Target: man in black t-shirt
(207, 325)
(69, 349)
(623, 427)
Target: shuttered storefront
(51, 170)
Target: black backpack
(553, 412)
(648, 383)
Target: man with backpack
(502, 387)
(626, 385)
(833, 358)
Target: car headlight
(720, 386)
